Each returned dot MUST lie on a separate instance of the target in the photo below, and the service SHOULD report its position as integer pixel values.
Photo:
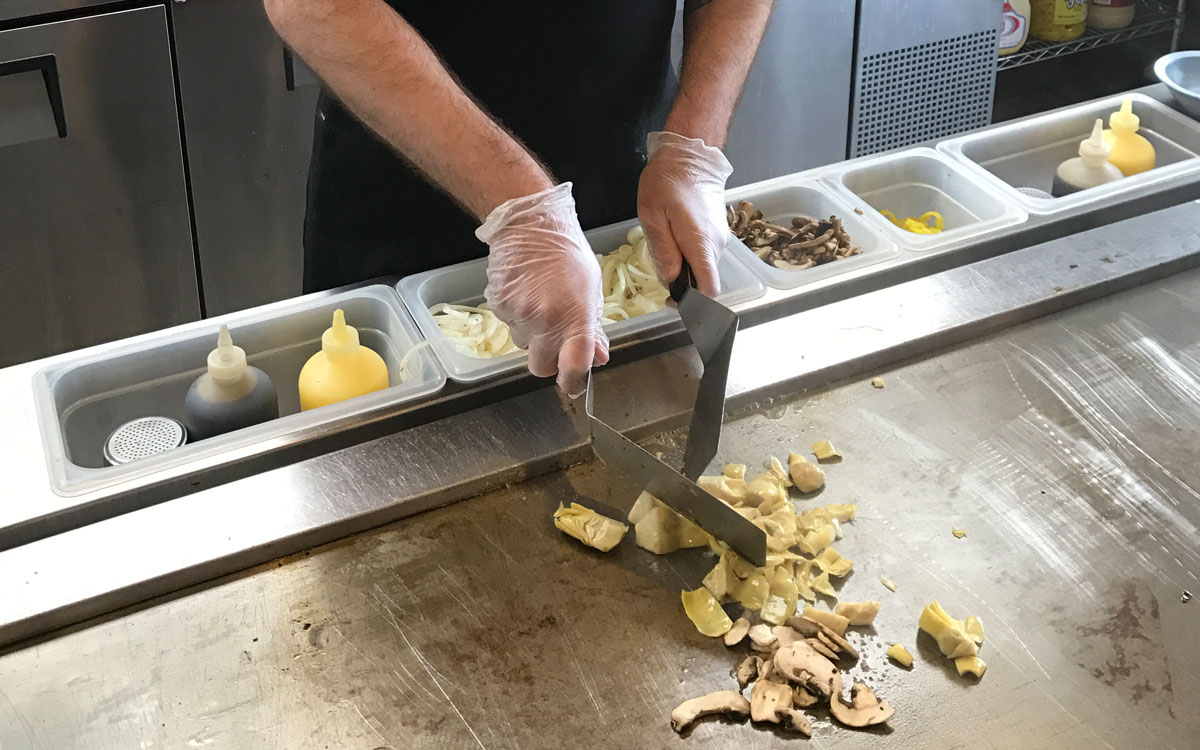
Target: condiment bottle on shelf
(1014, 26)
(342, 369)
(231, 395)
(1089, 169)
(1058, 20)
(1130, 152)
(1110, 14)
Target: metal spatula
(712, 327)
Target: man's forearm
(390, 78)
(720, 38)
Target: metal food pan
(781, 202)
(912, 182)
(80, 402)
(463, 283)
(1027, 153)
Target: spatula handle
(682, 282)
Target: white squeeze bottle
(231, 395)
(1089, 169)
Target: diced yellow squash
(970, 665)
(588, 526)
(824, 450)
(752, 591)
(858, 613)
(952, 641)
(831, 561)
(900, 655)
(705, 612)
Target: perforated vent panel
(927, 91)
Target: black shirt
(580, 82)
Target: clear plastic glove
(681, 205)
(544, 282)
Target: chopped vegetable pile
(796, 651)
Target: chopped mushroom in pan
(864, 709)
(724, 703)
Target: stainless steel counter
(1065, 446)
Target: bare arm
(720, 38)
(389, 77)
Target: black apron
(580, 82)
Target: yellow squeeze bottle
(342, 369)
(1129, 152)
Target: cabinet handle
(48, 67)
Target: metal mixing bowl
(1180, 71)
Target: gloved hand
(681, 205)
(544, 282)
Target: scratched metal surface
(1066, 447)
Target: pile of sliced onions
(631, 285)
(475, 331)
(631, 288)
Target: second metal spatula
(712, 328)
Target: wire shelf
(1153, 17)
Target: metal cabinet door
(248, 116)
(95, 241)
(794, 110)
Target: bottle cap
(226, 363)
(339, 337)
(1124, 118)
(1094, 149)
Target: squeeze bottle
(1130, 152)
(1014, 26)
(1089, 169)
(231, 395)
(342, 369)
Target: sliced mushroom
(812, 628)
(793, 721)
(724, 703)
(864, 708)
(802, 664)
(761, 638)
(822, 649)
(747, 670)
(804, 625)
(766, 670)
(784, 635)
(766, 698)
(801, 698)
(741, 626)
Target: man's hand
(544, 281)
(681, 205)
(681, 196)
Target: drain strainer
(143, 437)
(1033, 192)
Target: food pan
(463, 283)
(912, 182)
(780, 202)
(1027, 153)
(81, 401)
